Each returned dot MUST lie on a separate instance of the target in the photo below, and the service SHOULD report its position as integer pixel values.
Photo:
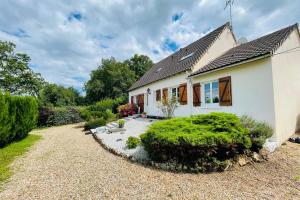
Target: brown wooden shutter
(183, 94)
(165, 94)
(158, 95)
(225, 91)
(196, 94)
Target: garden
(201, 143)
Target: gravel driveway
(67, 164)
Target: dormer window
(187, 56)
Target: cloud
(67, 39)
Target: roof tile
(265, 45)
(172, 65)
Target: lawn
(9, 153)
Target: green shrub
(202, 141)
(18, 116)
(85, 114)
(102, 106)
(94, 123)
(56, 116)
(259, 131)
(132, 142)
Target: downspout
(190, 81)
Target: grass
(9, 153)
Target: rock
(228, 165)
(243, 160)
(118, 140)
(264, 153)
(256, 157)
(122, 132)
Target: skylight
(158, 69)
(187, 56)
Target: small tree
(168, 106)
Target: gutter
(233, 65)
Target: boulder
(243, 160)
(256, 157)
(264, 153)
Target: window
(158, 95)
(211, 92)
(187, 56)
(175, 93)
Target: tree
(168, 106)
(55, 95)
(15, 75)
(110, 80)
(139, 64)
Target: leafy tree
(55, 95)
(15, 75)
(110, 80)
(139, 64)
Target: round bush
(203, 141)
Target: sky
(66, 39)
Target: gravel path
(67, 164)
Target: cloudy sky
(67, 39)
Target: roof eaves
(231, 65)
(292, 27)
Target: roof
(263, 46)
(180, 61)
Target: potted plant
(121, 123)
(144, 115)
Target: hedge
(56, 116)
(204, 142)
(18, 116)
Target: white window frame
(211, 94)
(177, 92)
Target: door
(140, 102)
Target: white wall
(286, 78)
(152, 107)
(252, 90)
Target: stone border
(175, 167)
(169, 167)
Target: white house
(260, 78)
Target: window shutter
(225, 91)
(165, 94)
(183, 94)
(158, 95)
(196, 94)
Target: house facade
(260, 78)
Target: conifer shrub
(203, 142)
(18, 116)
(259, 131)
(132, 142)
